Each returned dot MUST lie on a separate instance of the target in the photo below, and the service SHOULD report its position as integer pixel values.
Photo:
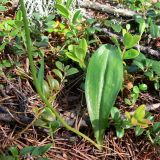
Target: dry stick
(107, 8)
(35, 80)
(143, 49)
(152, 107)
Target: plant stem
(35, 80)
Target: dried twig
(107, 8)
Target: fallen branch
(152, 107)
(107, 8)
(147, 50)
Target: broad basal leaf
(103, 82)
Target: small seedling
(135, 94)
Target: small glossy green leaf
(157, 85)
(26, 150)
(14, 151)
(156, 127)
(128, 115)
(76, 16)
(142, 24)
(46, 89)
(69, 3)
(48, 115)
(127, 101)
(130, 41)
(140, 113)
(5, 63)
(19, 16)
(120, 132)
(154, 30)
(115, 41)
(66, 67)
(157, 5)
(71, 71)
(124, 31)
(139, 64)
(18, 23)
(53, 83)
(59, 65)
(155, 66)
(71, 48)
(84, 46)
(55, 125)
(134, 121)
(142, 27)
(90, 21)
(41, 123)
(80, 53)
(128, 27)
(115, 113)
(39, 151)
(103, 82)
(130, 54)
(14, 33)
(2, 46)
(136, 89)
(62, 10)
(149, 74)
(143, 87)
(58, 73)
(72, 56)
(138, 131)
(108, 23)
(117, 27)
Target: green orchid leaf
(103, 82)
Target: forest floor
(18, 99)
